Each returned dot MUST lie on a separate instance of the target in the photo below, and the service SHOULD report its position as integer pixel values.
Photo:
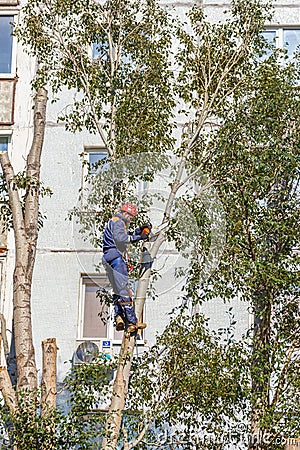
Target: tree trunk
(49, 349)
(120, 387)
(260, 368)
(25, 226)
(26, 367)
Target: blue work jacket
(115, 237)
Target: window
(291, 40)
(286, 38)
(3, 143)
(7, 64)
(92, 155)
(5, 140)
(270, 36)
(4, 147)
(96, 318)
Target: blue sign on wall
(106, 344)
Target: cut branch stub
(49, 349)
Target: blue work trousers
(117, 273)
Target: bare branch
(49, 349)
(33, 174)
(141, 435)
(14, 197)
(164, 444)
(7, 390)
(4, 335)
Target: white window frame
(12, 73)
(279, 30)
(142, 187)
(85, 168)
(86, 175)
(94, 150)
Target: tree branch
(7, 390)
(14, 198)
(4, 336)
(164, 444)
(284, 371)
(33, 174)
(69, 55)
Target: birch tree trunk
(25, 226)
(120, 388)
(49, 349)
(260, 370)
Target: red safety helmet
(129, 208)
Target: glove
(146, 225)
(142, 228)
(140, 237)
(146, 230)
(145, 235)
(135, 237)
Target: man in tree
(115, 241)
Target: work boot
(120, 325)
(138, 326)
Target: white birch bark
(49, 350)
(25, 227)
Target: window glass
(270, 37)
(6, 40)
(3, 143)
(291, 40)
(93, 326)
(94, 157)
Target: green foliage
(197, 394)
(124, 92)
(254, 161)
(126, 86)
(77, 425)
(88, 387)
(242, 132)
(214, 59)
(192, 384)
(27, 428)
(256, 168)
